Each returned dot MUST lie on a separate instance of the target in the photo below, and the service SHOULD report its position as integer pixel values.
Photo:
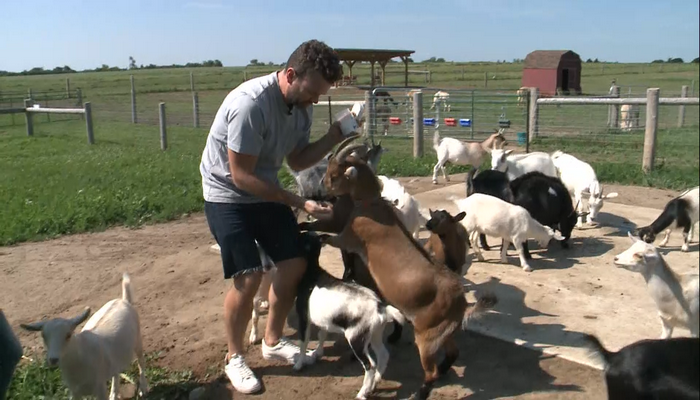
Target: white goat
(629, 116)
(441, 98)
(520, 164)
(492, 216)
(461, 153)
(522, 93)
(676, 296)
(408, 207)
(103, 349)
(580, 178)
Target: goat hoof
(527, 268)
(684, 248)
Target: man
(261, 122)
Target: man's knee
(247, 284)
(292, 268)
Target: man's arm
(303, 158)
(242, 173)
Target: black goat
(548, 202)
(651, 369)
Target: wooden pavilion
(380, 56)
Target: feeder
(465, 122)
(429, 121)
(395, 120)
(503, 122)
(450, 122)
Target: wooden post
(405, 70)
(692, 88)
(163, 135)
(133, 101)
(29, 94)
(430, 76)
(681, 108)
(486, 79)
(471, 117)
(191, 82)
(614, 109)
(533, 117)
(28, 117)
(417, 124)
(651, 128)
(88, 123)
(68, 87)
(195, 109)
(462, 72)
(368, 98)
(46, 104)
(79, 93)
(245, 76)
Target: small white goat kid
(103, 349)
(676, 296)
(408, 207)
(580, 178)
(441, 98)
(494, 217)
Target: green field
(54, 183)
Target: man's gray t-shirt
(253, 119)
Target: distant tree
(657, 61)
(696, 60)
(676, 60)
(409, 59)
(440, 60)
(589, 61)
(132, 63)
(596, 60)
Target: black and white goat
(680, 212)
(345, 308)
(651, 369)
(548, 202)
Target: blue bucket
(522, 138)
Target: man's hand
(318, 210)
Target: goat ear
(609, 195)
(507, 152)
(632, 237)
(459, 216)
(351, 173)
(82, 317)
(395, 202)
(34, 326)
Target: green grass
(33, 380)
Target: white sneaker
(284, 350)
(241, 377)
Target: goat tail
(394, 315)
(126, 289)
(597, 349)
(483, 303)
(436, 140)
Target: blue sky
(87, 34)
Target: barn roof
(371, 54)
(546, 59)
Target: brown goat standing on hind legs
(427, 293)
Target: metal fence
(46, 99)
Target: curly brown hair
(318, 56)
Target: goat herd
(390, 278)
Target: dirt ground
(179, 294)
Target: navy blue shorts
(236, 227)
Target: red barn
(550, 70)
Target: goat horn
(344, 143)
(342, 154)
